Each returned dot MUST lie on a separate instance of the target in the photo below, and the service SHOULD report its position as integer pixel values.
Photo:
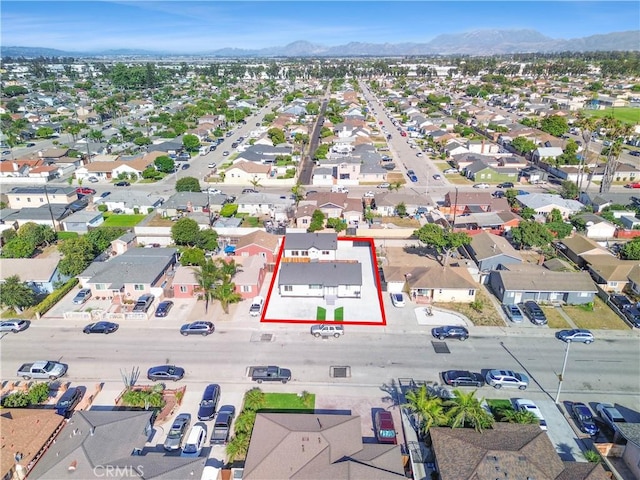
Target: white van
(339, 189)
(256, 306)
(195, 441)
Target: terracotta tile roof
(260, 238)
(250, 167)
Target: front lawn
(122, 220)
(488, 317)
(289, 401)
(321, 313)
(338, 314)
(554, 319)
(601, 317)
(624, 114)
(67, 235)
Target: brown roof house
(506, 451)
(576, 247)
(242, 173)
(311, 446)
(434, 283)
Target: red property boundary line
(374, 264)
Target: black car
(165, 372)
(534, 312)
(633, 315)
(101, 327)
(197, 328)
(209, 402)
(122, 184)
(620, 301)
(222, 425)
(450, 331)
(584, 418)
(462, 378)
(68, 401)
(505, 185)
(185, 166)
(164, 308)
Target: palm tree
(225, 293)
(206, 276)
(226, 270)
(298, 192)
(238, 446)
(466, 409)
(517, 416)
(254, 399)
(255, 182)
(395, 186)
(426, 408)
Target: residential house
(17, 426)
(631, 453)
(386, 202)
(598, 228)
(259, 243)
(32, 197)
(481, 171)
(182, 202)
(304, 213)
(544, 203)
(134, 167)
(124, 242)
(575, 247)
(40, 274)
(50, 215)
(82, 221)
(491, 252)
(482, 147)
(353, 212)
(326, 446)
(496, 222)
(460, 203)
(99, 442)
(269, 204)
(546, 153)
(329, 203)
(135, 272)
(611, 274)
(432, 284)
(325, 279)
(250, 276)
(521, 282)
(131, 201)
(184, 284)
(507, 450)
(634, 279)
(314, 246)
(244, 172)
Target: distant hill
(476, 42)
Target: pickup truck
(42, 369)
(270, 374)
(222, 425)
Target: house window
(472, 292)
(315, 287)
(295, 253)
(245, 288)
(28, 199)
(101, 286)
(305, 221)
(583, 294)
(138, 287)
(613, 284)
(41, 200)
(183, 289)
(288, 288)
(305, 253)
(325, 252)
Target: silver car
(82, 296)
(177, 432)
(14, 325)
(507, 378)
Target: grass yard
(121, 220)
(489, 317)
(250, 222)
(458, 179)
(406, 222)
(624, 114)
(289, 401)
(602, 317)
(498, 403)
(160, 221)
(393, 177)
(66, 235)
(338, 314)
(321, 313)
(554, 319)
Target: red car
(633, 185)
(85, 191)
(385, 430)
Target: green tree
(317, 221)
(39, 393)
(192, 256)
(18, 248)
(44, 132)
(254, 399)
(16, 400)
(395, 186)
(530, 233)
(554, 125)
(206, 275)
(527, 213)
(188, 184)
(523, 145)
(569, 190)
(441, 240)
(225, 293)
(517, 416)
(78, 255)
(165, 164)
(276, 135)
(37, 234)
(401, 209)
(298, 192)
(16, 294)
(427, 409)
(631, 250)
(185, 231)
(208, 240)
(191, 142)
(238, 446)
(101, 238)
(337, 224)
(465, 409)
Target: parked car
(632, 185)
(195, 441)
(481, 185)
(459, 378)
(498, 194)
(209, 402)
(85, 191)
(106, 194)
(385, 429)
(412, 175)
(437, 177)
(525, 405)
(610, 414)
(325, 330)
(450, 331)
(225, 153)
(397, 299)
(14, 325)
(213, 191)
(507, 378)
(635, 153)
(122, 184)
(101, 327)
(513, 313)
(197, 328)
(633, 315)
(257, 304)
(185, 166)
(369, 194)
(584, 418)
(212, 165)
(177, 432)
(383, 185)
(505, 185)
(165, 372)
(164, 308)
(576, 335)
(68, 401)
(184, 156)
(249, 190)
(450, 171)
(222, 425)
(31, 144)
(93, 179)
(620, 301)
(143, 303)
(82, 296)
(534, 312)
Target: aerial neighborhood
(336, 268)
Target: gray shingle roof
(529, 278)
(138, 265)
(305, 241)
(329, 274)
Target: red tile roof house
(259, 243)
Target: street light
(564, 366)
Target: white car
(213, 191)
(384, 185)
(525, 405)
(195, 441)
(212, 165)
(397, 299)
(481, 185)
(369, 194)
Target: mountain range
(476, 42)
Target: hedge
(55, 296)
(228, 210)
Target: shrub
(16, 400)
(228, 210)
(39, 393)
(477, 305)
(592, 456)
(143, 398)
(102, 208)
(55, 296)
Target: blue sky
(196, 26)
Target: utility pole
(53, 222)
(564, 367)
